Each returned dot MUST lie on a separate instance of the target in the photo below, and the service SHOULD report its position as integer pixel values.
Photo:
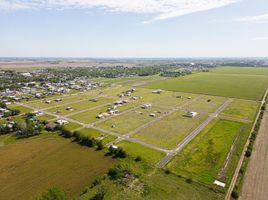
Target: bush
(100, 145)
(99, 194)
(167, 171)
(189, 180)
(52, 194)
(248, 153)
(138, 159)
(235, 194)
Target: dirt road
(256, 178)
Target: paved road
(240, 162)
(187, 139)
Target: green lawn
(241, 70)
(45, 117)
(204, 156)
(241, 109)
(171, 130)
(131, 120)
(22, 109)
(246, 87)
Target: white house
(191, 114)
(62, 122)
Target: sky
(133, 28)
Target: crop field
(203, 158)
(237, 70)
(132, 120)
(83, 105)
(241, 109)
(237, 86)
(31, 166)
(169, 131)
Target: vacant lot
(247, 87)
(204, 156)
(149, 155)
(34, 165)
(241, 109)
(241, 70)
(22, 109)
(169, 131)
(132, 120)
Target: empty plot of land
(247, 87)
(147, 154)
(204, 156)
(76, 107)
(169, 131)
(241, 109)
(105, 138)
(32, 166)
(22, 109)
(256, 178)
(207, 104)
(132, 120)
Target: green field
(241, 109)
(241, 70)
(246, 87)
(34, 165)
(131, 120)
(88, 132)
(169, 131)
(148, 155)
(204, 156)
(22, 109)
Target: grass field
(148, 155)
(169, 131)
(83, 105)
(22, 109)
(34, 165)
(131, 120)
(241, 70)
(204, 156)
(246, 87)
(241, 109)
(88, 132)
(45, 117)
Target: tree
(99, 194)
(100, 145)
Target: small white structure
(218, 183)
(158, 91)
(152, 115)
(191, 114)
(58, 100)
(147, 105)
(38, 113)
(100, 116)
(113, 146)
(48, 101)
(62, 122)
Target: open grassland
(241, 70)
(247, 87)
(22, 109)
(90, 116)
(45, 117)
(204, 157)
(88, 132)
(76, 107)
(205, 104)
(72, 126)
(241, 109)
(161, 187)
(34, 165)
(169, 131)
(148, 155)
(132, 120)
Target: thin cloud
(162, 9)
(255, 19)
(259, 38)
